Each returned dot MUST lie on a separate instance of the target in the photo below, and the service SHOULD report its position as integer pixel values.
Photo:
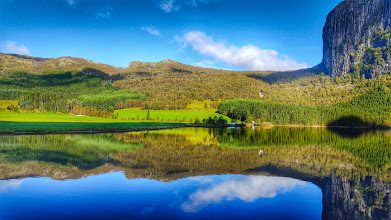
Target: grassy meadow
(11, 122)
(127, 119)
(165, 115)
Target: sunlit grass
(165, 116)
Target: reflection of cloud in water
(202, 179)
(5, 185)
(246, 188)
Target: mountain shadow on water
(348, 132)
(349, 121)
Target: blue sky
(228, 34)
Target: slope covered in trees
(170, 85)
(62, 92)
(177, 90)
(371, 109)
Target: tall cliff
(356, 38)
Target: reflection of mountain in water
(352, 171)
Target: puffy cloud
(5, 185)
(151, 30)
(204, 64)
(168, 6)
(13, 47)
(245, 188)
(248, 57)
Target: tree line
(371, 109)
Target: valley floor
(128, 120)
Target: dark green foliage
(108, 98)
(215, 121)
(373, 147)
(371, 109)
(53, 92)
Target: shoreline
(109, 130)
(152, 128)
(89, 131)
(336, 127)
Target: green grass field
(127, 119)
(52, 117)
(10, 126)
(165, 116)
(11, 122)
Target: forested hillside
(372, 109)
(296, 97)
(177, 90)
(64, 92)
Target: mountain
(357, 38)
(35, 65)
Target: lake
(198, 173)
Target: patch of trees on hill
(322, 90)
(371, 109)
(65, 92)
(174, 91)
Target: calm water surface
(198, 173)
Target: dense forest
(175, 91)
(371, 109)
(64, 92)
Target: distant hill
(20, 63)
(10, 63)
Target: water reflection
(95, 198)
(6, 185)
(339, 164)
(245, 188)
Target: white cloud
(13, 47)
(168, 6)
(204, 64)
(245, 188)
(248, 57)
(151, 30)
(5, 185)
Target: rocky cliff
(367, 198)
(357, 39)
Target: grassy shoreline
(134, 127)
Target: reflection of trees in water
(182, 157)
(317, 152)
(374, 147)
(79, 150)
(339, 165)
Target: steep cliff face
(368, 198)
(356, 38)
